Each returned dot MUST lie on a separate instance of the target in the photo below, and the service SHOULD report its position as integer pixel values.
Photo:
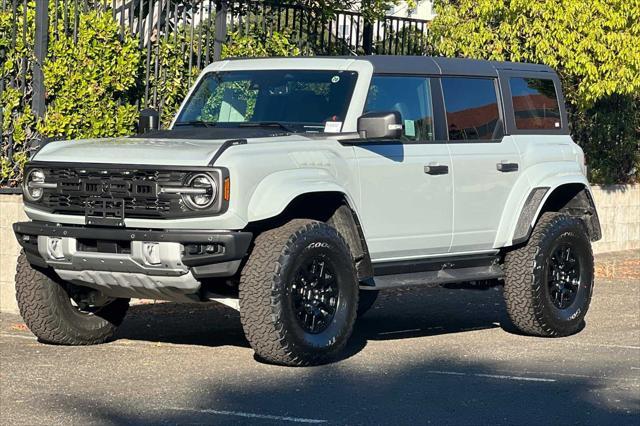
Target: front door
(406, 186)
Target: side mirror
(380, 125)
(149, 120)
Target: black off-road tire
(46, 308)
(266, 307)
(526, 290)
(366, 300)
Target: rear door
(485, 162)
(406, 185)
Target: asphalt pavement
(421, 356)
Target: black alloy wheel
(563, 276)
(314, 294)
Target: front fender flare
(274, 193)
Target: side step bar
(433, 272)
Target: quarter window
(411, 97)
(472, 108)
(535, 103)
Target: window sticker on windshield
(335, 79)
(409, 128)
(333, 126)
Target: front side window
(535, 103)
(301, 100)
(411, 97)
(472, 108)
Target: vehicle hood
(140, 150)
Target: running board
(433, 272)
(434, 278)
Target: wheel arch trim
(276, 191)
(534, 204)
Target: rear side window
(410, 96)
(472, 108)
(535, 103)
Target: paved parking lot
(441, 356)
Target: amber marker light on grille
(227, 189)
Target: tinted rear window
(535, 103)
(472, 108)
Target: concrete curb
(618, 265)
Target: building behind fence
(196, 32)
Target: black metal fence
(206, 24)
(198, 30)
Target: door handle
(436, 169)
(507, 167)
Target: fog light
(151, 253)
(54, 248)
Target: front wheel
(298, 294)
(549, 281)
(61, 313)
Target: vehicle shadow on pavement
(397, 386)
(204, 324)
(398, 314)
(431, 391)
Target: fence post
(367, 28)
(221, 29)
(367, 37)
(40, 52)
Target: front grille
(81, 189)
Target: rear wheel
(549, 280)
(298, 294)
(58, 312)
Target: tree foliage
(371, 9)
(594, 46)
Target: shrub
(89, 83)
(18, 122)
(260, 44)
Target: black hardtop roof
(388, 64)
(433, 65)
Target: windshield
(295, 100)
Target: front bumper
(115, 260)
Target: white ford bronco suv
(301, 187)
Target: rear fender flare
(533, 201)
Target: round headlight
(202, 191)
(34, 192)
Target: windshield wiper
(266, 124)
(197, 123)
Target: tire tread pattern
(260, 307)
(524, 294)
(40, 301)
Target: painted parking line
(601, 345)
(18, 336)
(492, 376)
(250, 415)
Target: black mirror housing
(149, 120)
(380, 125)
